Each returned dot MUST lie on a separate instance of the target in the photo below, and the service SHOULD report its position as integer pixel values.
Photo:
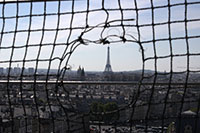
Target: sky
(124, 56)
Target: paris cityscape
(87, 96)
(99, 66)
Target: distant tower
(79, 71)
(108, 68)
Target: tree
(96, 108)
(104, 112)
(111, 112)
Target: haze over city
(99, 66)
(124, 57)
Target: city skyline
(99, 66)
(125, 56)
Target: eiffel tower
(108, 68)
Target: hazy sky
(124, 56)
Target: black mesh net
(45, 34)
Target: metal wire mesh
(46, 33)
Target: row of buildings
(16, 71)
